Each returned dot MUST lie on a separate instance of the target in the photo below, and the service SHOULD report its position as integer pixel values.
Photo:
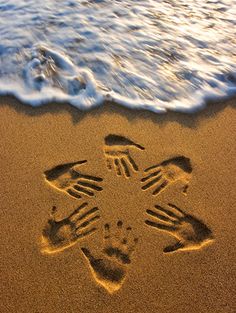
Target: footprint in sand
(191, 233)
(110, 268)
(166, 173)
(117, 154)
(62, 234)
(67, 178)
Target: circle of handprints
(109, 268)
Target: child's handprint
(110, 268)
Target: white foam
(51, 76)
(145, 54)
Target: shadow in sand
(189, 120)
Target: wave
(154, 55)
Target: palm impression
(118, 157)
(191, 233)
(109, 269)
(67, 178)
(168, 172)
(62, 234)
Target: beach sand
(117, 253)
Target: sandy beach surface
(115, 210)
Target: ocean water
(151, 54)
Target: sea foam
(153, 54)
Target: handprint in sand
(117, 153)
(62, 234)
(191, 233)
(68, 178)
(168, 172)
(109, 269)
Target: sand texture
(116, 210)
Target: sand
(118, 252)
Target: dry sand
(45, 267)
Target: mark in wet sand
(169, 171)
(67, 178)
(62, 234)
(191, 233)
(110, 269)
(117, 154)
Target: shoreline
(185, 118)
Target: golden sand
(116, 210)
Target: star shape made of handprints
(109, 268)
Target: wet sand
(157, 231)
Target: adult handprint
(190, 232)
(169, 171)
(62, 234)
(67, 178)
(117, 154)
